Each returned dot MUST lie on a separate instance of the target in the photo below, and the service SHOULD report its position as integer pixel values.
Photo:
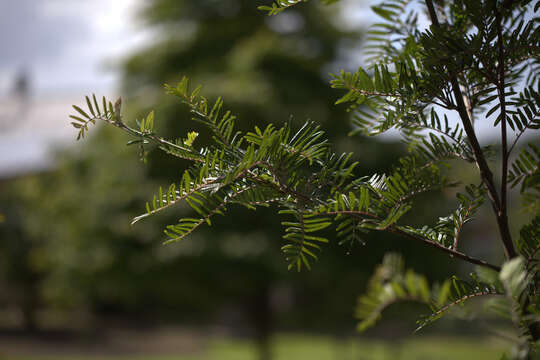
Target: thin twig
(441, 247)
(434, 244)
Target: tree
(477, 60)
(266, 73)
(129, 274)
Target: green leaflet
(280, 5)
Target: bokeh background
(77, 282)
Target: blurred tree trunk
(261, 316)
(29, 305)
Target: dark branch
(485, 172)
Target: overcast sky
(68, 48)
(69, 45)
(64, 45)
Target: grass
(300, 347)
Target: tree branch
(452, 252)
(404, 233)
(485, 172)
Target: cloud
(30, 34)
(64, 44)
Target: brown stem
(404, 233)
(452, 252)
(485, 172)
(507, 4)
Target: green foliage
(469, 63)
(278, 166)
(82, 119)
(525, 170)
(226, 46)
(529, 241)
(391, 283)
(250, 166)
(280, 5)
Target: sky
(67, 49)
(66, 44)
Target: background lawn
(318, 348)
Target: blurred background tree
(266, 69)
(66, 240)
